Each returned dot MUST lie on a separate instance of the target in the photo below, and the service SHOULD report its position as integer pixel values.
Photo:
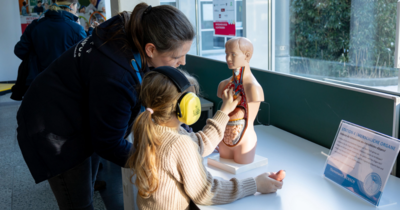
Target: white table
(304, 186)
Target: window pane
(337, 40)
(189, 9)
(168, 3)
(214, 46)
(211, 42)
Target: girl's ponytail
(160, 94)
(144, 159)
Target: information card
(361, 160)
(224, 17)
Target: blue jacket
(84, 102)
(49, 37)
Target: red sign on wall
(224, 17)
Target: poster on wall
(90, 12)
(224, 17)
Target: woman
(86, 100)
(46, 39)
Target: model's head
(162, 34)
(239, 51)
(160, 94)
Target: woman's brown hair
(160, 94)
(164, 26)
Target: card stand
(230, 166)
(386, 202)
(360, 160)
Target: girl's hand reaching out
(229, 104)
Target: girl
(168, 160)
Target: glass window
(338, 41)
(342, 41)
(214, 46)
(168, 2)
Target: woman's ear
(150, 49)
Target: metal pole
(270, 35)
(244, 18)
(197, 28)
(397, 65)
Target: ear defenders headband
(188, 107)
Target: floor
(18, 190)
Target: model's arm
(254, 93)
(187, 167)
(222, 85)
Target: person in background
(46, 6)
(82, 9)
(86, 100)
(38, 8)
(24, 9)
(46, 39)
(96, 5)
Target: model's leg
(73, 189)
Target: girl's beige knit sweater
(182, 173)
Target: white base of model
(230, 166)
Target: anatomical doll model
(240, 139)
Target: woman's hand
(265, 184)
(229, 104)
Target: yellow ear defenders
(188, 107)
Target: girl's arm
(213, 132)
(187, 167)
(208, 138)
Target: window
(347, 42)
(338, 41)
(214, 46)
(168, 2)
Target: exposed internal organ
(234, 131)
(237, 118)
(237, 114)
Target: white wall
(10, 26)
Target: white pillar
(10, 25)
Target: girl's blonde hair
(160, 94)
